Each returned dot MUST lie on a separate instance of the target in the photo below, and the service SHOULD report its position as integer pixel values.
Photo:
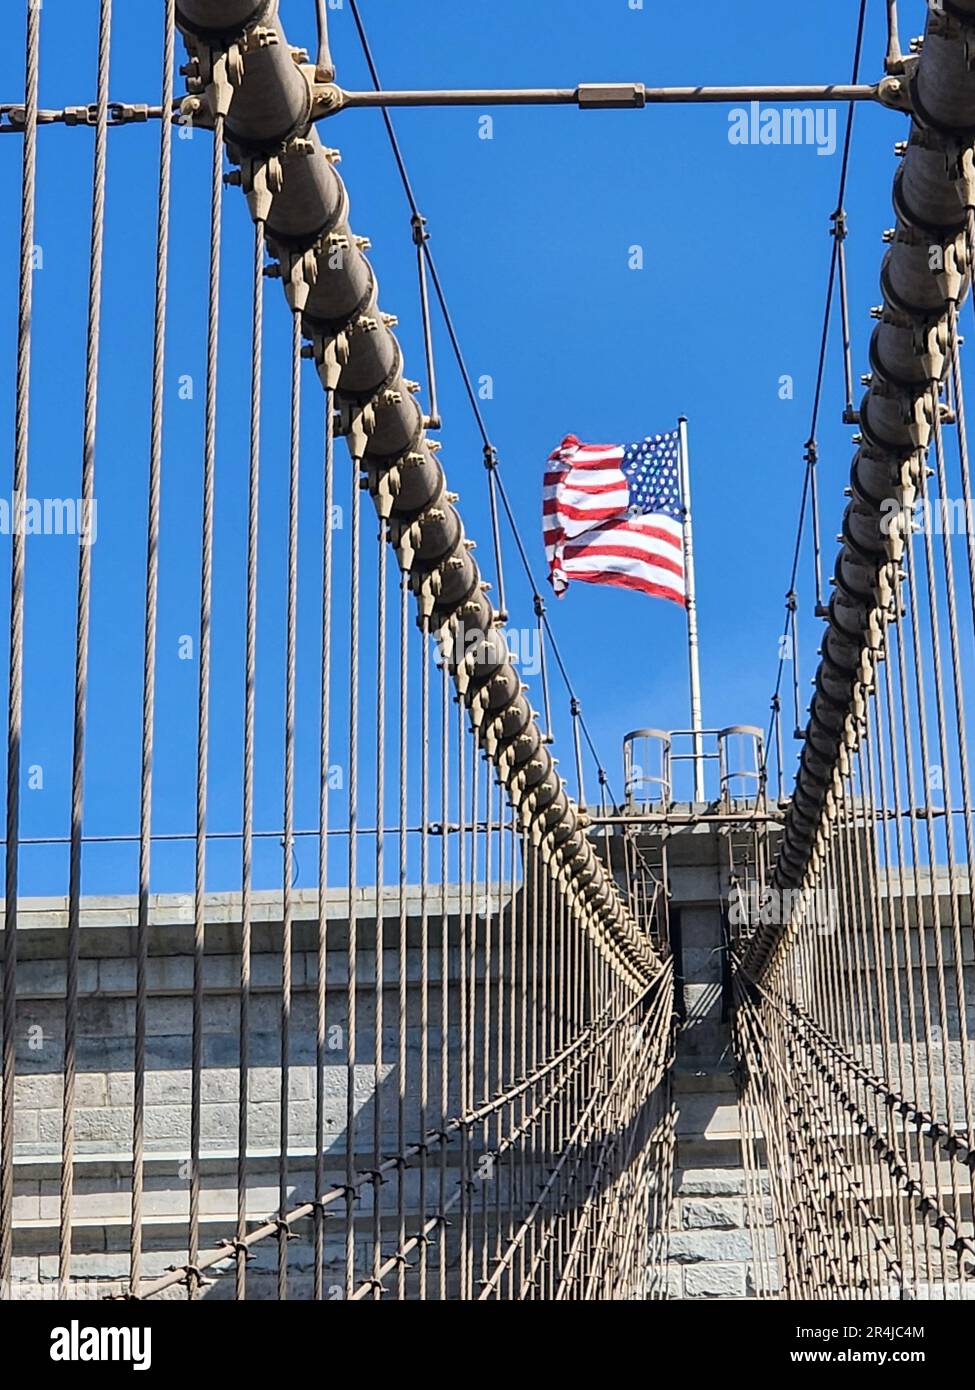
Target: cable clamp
(192, 1277)
(418, 223)
(237, 1247)
(221, 72)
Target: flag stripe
(646, 534)
(556, 507)
(573, 555)
(587, 453)
(633, 581)
(590, 480)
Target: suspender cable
(149, 646)
(792, 605)
(203, 702)
(250, 684)
(420, 238)
(324, 66)
(491, 464)
(424, 1096)
(96, 265)
(402, 944)
(777, 723)
(838, 219)
(894, 57)
(812, 459)
(18, 549)
(546, 697)
(325, 731)
(351, 1195)
(380, 942)
(287, 846)
(445, 975)
(574, 710)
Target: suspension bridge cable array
(564, 989)
(809, 496)
(853, 1025)
(897, 420)
(447, 1069)
(492, 462)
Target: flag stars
(650, 469)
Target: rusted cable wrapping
(291, 183)
(924, 274)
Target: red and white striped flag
(612, 514)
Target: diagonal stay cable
(482, 428)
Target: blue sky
(532, 232)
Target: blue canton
(652, 472)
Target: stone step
(709, 1115)
(710, 1246)
(703, 1003)
(117, 1166)
(715, 1280)
(694, 1151)
(711, 1182)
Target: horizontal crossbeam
(594, 96)
(588, 96)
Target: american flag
(612, 514)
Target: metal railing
(654, 759)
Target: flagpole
(693, 651)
